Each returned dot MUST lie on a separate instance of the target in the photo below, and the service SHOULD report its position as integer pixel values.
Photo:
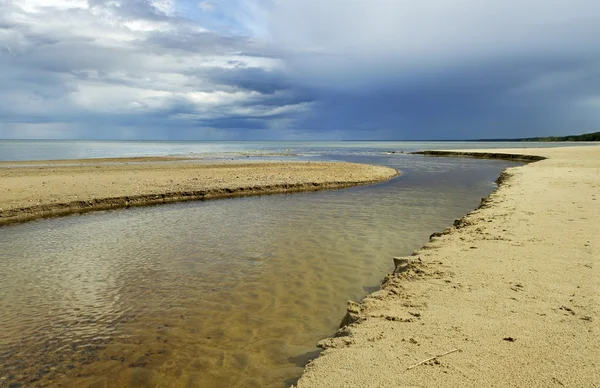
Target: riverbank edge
(31, 213)
(410, 268)
(401, 265)
(483, 155)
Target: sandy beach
(508, 296)
(30, 190)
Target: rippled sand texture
(61, 188)
(507, 297)
(229, 293)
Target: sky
(298, 69)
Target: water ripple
(220, 293)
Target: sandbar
(509, 296)
(36, 189)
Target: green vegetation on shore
(595, 136)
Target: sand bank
(134, 159)
(484, 155)
(59, 188)
(509, 295)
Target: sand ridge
(58, 188)
(508, 296)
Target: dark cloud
(511, 99)
(252, 78)
(265, 69)
(419, 70)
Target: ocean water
(223, 293)
(13, 150)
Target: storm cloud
(298, 69)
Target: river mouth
(225, 293)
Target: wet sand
(30, 190)
(508, 296)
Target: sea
(15, 150)
(222, 293)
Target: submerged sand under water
(223, 293)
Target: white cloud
(165, 6)
(101, 58)
(37, 6)
(206, 6)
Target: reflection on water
(212, 294)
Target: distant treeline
(585, 137)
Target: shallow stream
(224, 293)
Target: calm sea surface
(11, 150)
(224, 293)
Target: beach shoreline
(514, 157)
(507, 296)
(33, 190)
